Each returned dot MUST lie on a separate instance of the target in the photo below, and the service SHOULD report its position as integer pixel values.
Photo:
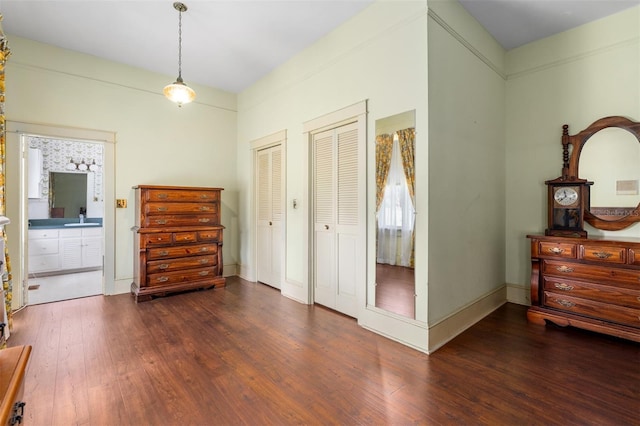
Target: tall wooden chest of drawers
(177, 240)
(591, 283)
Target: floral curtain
(6, 279)
(384, 147)
(407, 140)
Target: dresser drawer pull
(203, 249)
(602, 254)
(161, 221)
(163, 266)
(556, 250)
(163, 196)
(204, 208)
(205, 261)
(204, 220)
(563, 286)
(564, 269)
(162, 279)
(203, 273)
(164, 253)
(204, 196)
(565, 303)
(162, 209)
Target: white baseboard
(122, 286)
(446, 329)
(519, 294)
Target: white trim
(336, 119)
(275, 139)
(356, 113)
(448, 328)
(108, 139)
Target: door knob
(326, 227)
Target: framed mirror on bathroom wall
(394, 289)
(67, 194)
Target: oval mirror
(611, 160)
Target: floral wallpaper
(57, 153)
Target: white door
(269, 226)
(337, 252)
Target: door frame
(275, 139)
(18, 199)
(356, 113)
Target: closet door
(269, 226)
(337, 254)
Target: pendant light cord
(180, 45)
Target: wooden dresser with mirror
(591, 282)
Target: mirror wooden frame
(572, 161)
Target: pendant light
(178, 91)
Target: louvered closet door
(269, 184)
(336, 224)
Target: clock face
(565, 196)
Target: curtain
(407, 140)
(395, 217)
(384, 145)
(6, 279)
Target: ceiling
(230, 44)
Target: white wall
(378, 56)
(466, 172)
(573, 78)
(156, 142)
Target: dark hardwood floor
(247, 355)
(395, 289)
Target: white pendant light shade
(179, 92)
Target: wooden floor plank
(246, 355)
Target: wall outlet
(121, 203)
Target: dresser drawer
(616, 295)
(185, 237)
(181, 195)
(634, 257)
(42, 247)
(557, 249)
(573, 270)
(49, 262)
(180, 220)
(603, 254)
(212, 235)
(593, 309)
(180, 208)
(178, 277)
(168, 265)
(181, 251)
(157, 238)
(43, 233)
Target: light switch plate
(121, 203)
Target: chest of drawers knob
(563, 286)
(564, 269)
(556, 250)
(565, 303)
(602, 254)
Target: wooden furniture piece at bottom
(590, 283)
(13, 363)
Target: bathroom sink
(82, 224)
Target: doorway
(91, 259)
(65, 211)
(337, 153)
